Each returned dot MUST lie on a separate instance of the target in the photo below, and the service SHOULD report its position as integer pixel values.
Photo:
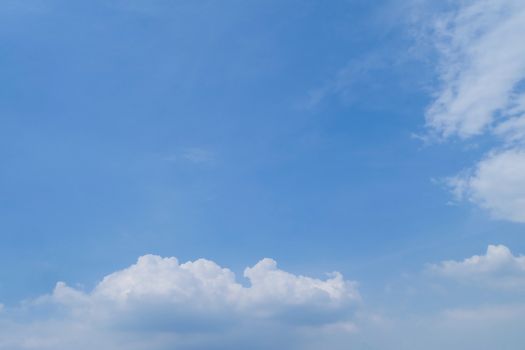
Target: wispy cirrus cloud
(193, 155)
(198, 155)
(482, 65)
(481, 92)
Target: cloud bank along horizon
(162, 303)
(183, 305)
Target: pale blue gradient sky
(230, 130)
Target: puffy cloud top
(203, 280)
(201, 292)
(498, 268)
(497, 184)
(160, 303)
(156, 277)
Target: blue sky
(384, 140)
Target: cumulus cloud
(160, 304)
(497, 184)
(498, 268)
(188, 305)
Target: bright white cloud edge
(482, 65)
(498, 268)
(192, 305)
(496, 183)
(482, 91)
(159, 303)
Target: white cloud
(482, 64)
(482, 74)
(497, 184)
(190, 305)
(159, 304)
(498, 269)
